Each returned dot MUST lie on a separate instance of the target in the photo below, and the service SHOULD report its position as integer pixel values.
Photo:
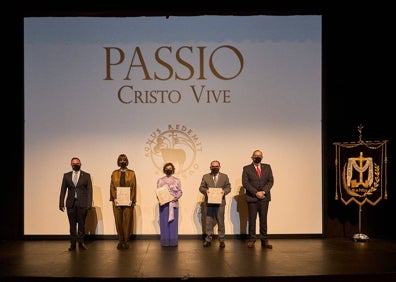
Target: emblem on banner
(361, 177)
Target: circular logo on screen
(177, 144)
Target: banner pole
(360, 236)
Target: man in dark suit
(257, 179)
(214, 212)
(78, 185)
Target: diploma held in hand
(163, 195)
(215, 195)
(123, 196)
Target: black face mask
(257, 160)
(214, 171)
(168, 171)
(76, 167)
(123, 164)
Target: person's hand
(260, 194)
(62, 209)
(130, 203)
(116, 202)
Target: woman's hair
(121, 157)
(168, 164)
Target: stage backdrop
(183, 89)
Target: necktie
(258, 170)
(75, 178)
(215, 179)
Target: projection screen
(183, 89)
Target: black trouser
(77, 216)
(260, 208)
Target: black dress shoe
(251, 244)
(125, 246)
(206, 244)
(82, 246)
(72, 247)
(222, 245)
(266, 245)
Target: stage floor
(333, 259)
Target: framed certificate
(215, 195)
(163, 195)
(123, 196)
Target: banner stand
(361, 174)
(360, 236)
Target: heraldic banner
(361, 172)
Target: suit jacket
(83, 189)
(222, 182)
(130, 181)
(253, 183)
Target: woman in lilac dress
(169, 212)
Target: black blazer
(252, 183)
(83, 189)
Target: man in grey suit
(78, 185)
(257, 179)
(214, 212)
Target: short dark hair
(122, 156)
(168, 164)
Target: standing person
(257, 179)
(169, 212)
(123, 212)
(214, 213)
(78, 185)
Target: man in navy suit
(78, 185)
(257, 179)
